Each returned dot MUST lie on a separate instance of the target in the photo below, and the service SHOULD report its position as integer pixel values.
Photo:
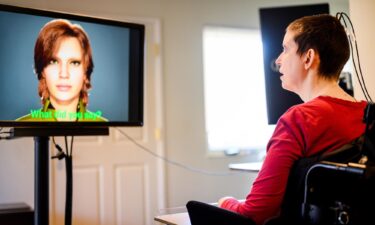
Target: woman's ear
(309, 58)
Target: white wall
(363, 17)
(182, 22)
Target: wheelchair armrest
(349, 167)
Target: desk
(182, 218)
(248, 167)
(174, 219)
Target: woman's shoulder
(25, 118)
(322, 110)
(37, 115)
(324, 105)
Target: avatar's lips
(63, 87)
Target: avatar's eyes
(76, 63)
(52, 62)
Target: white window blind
(235, 102)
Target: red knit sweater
(304, 130)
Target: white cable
(178, 164)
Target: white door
(115, 181)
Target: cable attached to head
(344, 18)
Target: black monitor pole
(41, 192)
(41, 147)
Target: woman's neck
(324, 87)
(67, 108)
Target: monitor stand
(41, 148)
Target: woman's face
(291, 64)
(65, 73)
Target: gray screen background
(19, 84)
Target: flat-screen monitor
(64, 70)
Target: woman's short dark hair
(326, 35)
(48, 40)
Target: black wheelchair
(327, 189)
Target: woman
(315, 49)
(63, 64)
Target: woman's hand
(222, 200)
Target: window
(235, 102)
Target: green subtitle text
(63, 115)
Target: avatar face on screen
(63, 65)
(47, 69)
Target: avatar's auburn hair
(46, 45)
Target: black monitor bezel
(136, 76)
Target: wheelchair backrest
(334, 188)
